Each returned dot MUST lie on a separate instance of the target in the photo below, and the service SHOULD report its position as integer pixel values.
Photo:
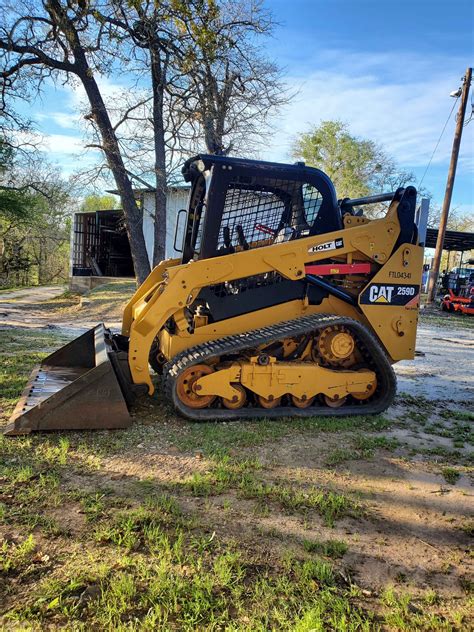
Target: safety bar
(369, 199)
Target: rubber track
(386, 387)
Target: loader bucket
(75, 388)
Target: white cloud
(112, 92)
(400, 101)
(65, 120)
(62, 144)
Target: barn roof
(453, 240)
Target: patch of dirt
(39, 307)
(161, 467)
(70, 518)
(419, 440)
(409, 533)
(443, 369)
(35, 308)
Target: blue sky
(384, 67)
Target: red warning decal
(265, 229)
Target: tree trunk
(159, 250)
(133, 215)
(213, 143)
(110, 146)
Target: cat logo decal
(387, 294)
(381, 293)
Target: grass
(147, 552)
(439, 318)
(5, 289)
(14, 341)
(143, 527)
(181, 590)
(67, 295)
(451, 475)
(106, 302)
(403, 613)
(458, 428)
(226, 474)
(173, 583)
(340, 455)
(14, 371)
(418, 417)
(367, 444)
(155, 572)
(468, 528)
(330, 548)
(459, 415)
(362, 447)
(440, 453)
(15, 557)
(25, 350)
(212, 437)
(330, 505)
(416, 402)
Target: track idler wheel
(184, 386)
(334, 402)
(302, 402)
(271, 402)
(238, 400)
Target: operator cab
(237, 204)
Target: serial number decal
(328, 245)
(385, 294)
(399, 275)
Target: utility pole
(449, 187)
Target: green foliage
(317, 570)
(92, 203)
(330, 548)
(363, 447)
(14, 557)
(211, 437)
(330, 505)
(357, 166)
(450, 474)
(16, 203)
(367, 444)
(125, 547)
(34, 228)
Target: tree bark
(110, 146)
(133, 215)
(159, 249)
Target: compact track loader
(285, 302)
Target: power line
(437, 144)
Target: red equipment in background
(459, 304)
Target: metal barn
(100, 249)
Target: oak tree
(61, 40)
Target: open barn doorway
(100, 249)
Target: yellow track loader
(285, 302)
